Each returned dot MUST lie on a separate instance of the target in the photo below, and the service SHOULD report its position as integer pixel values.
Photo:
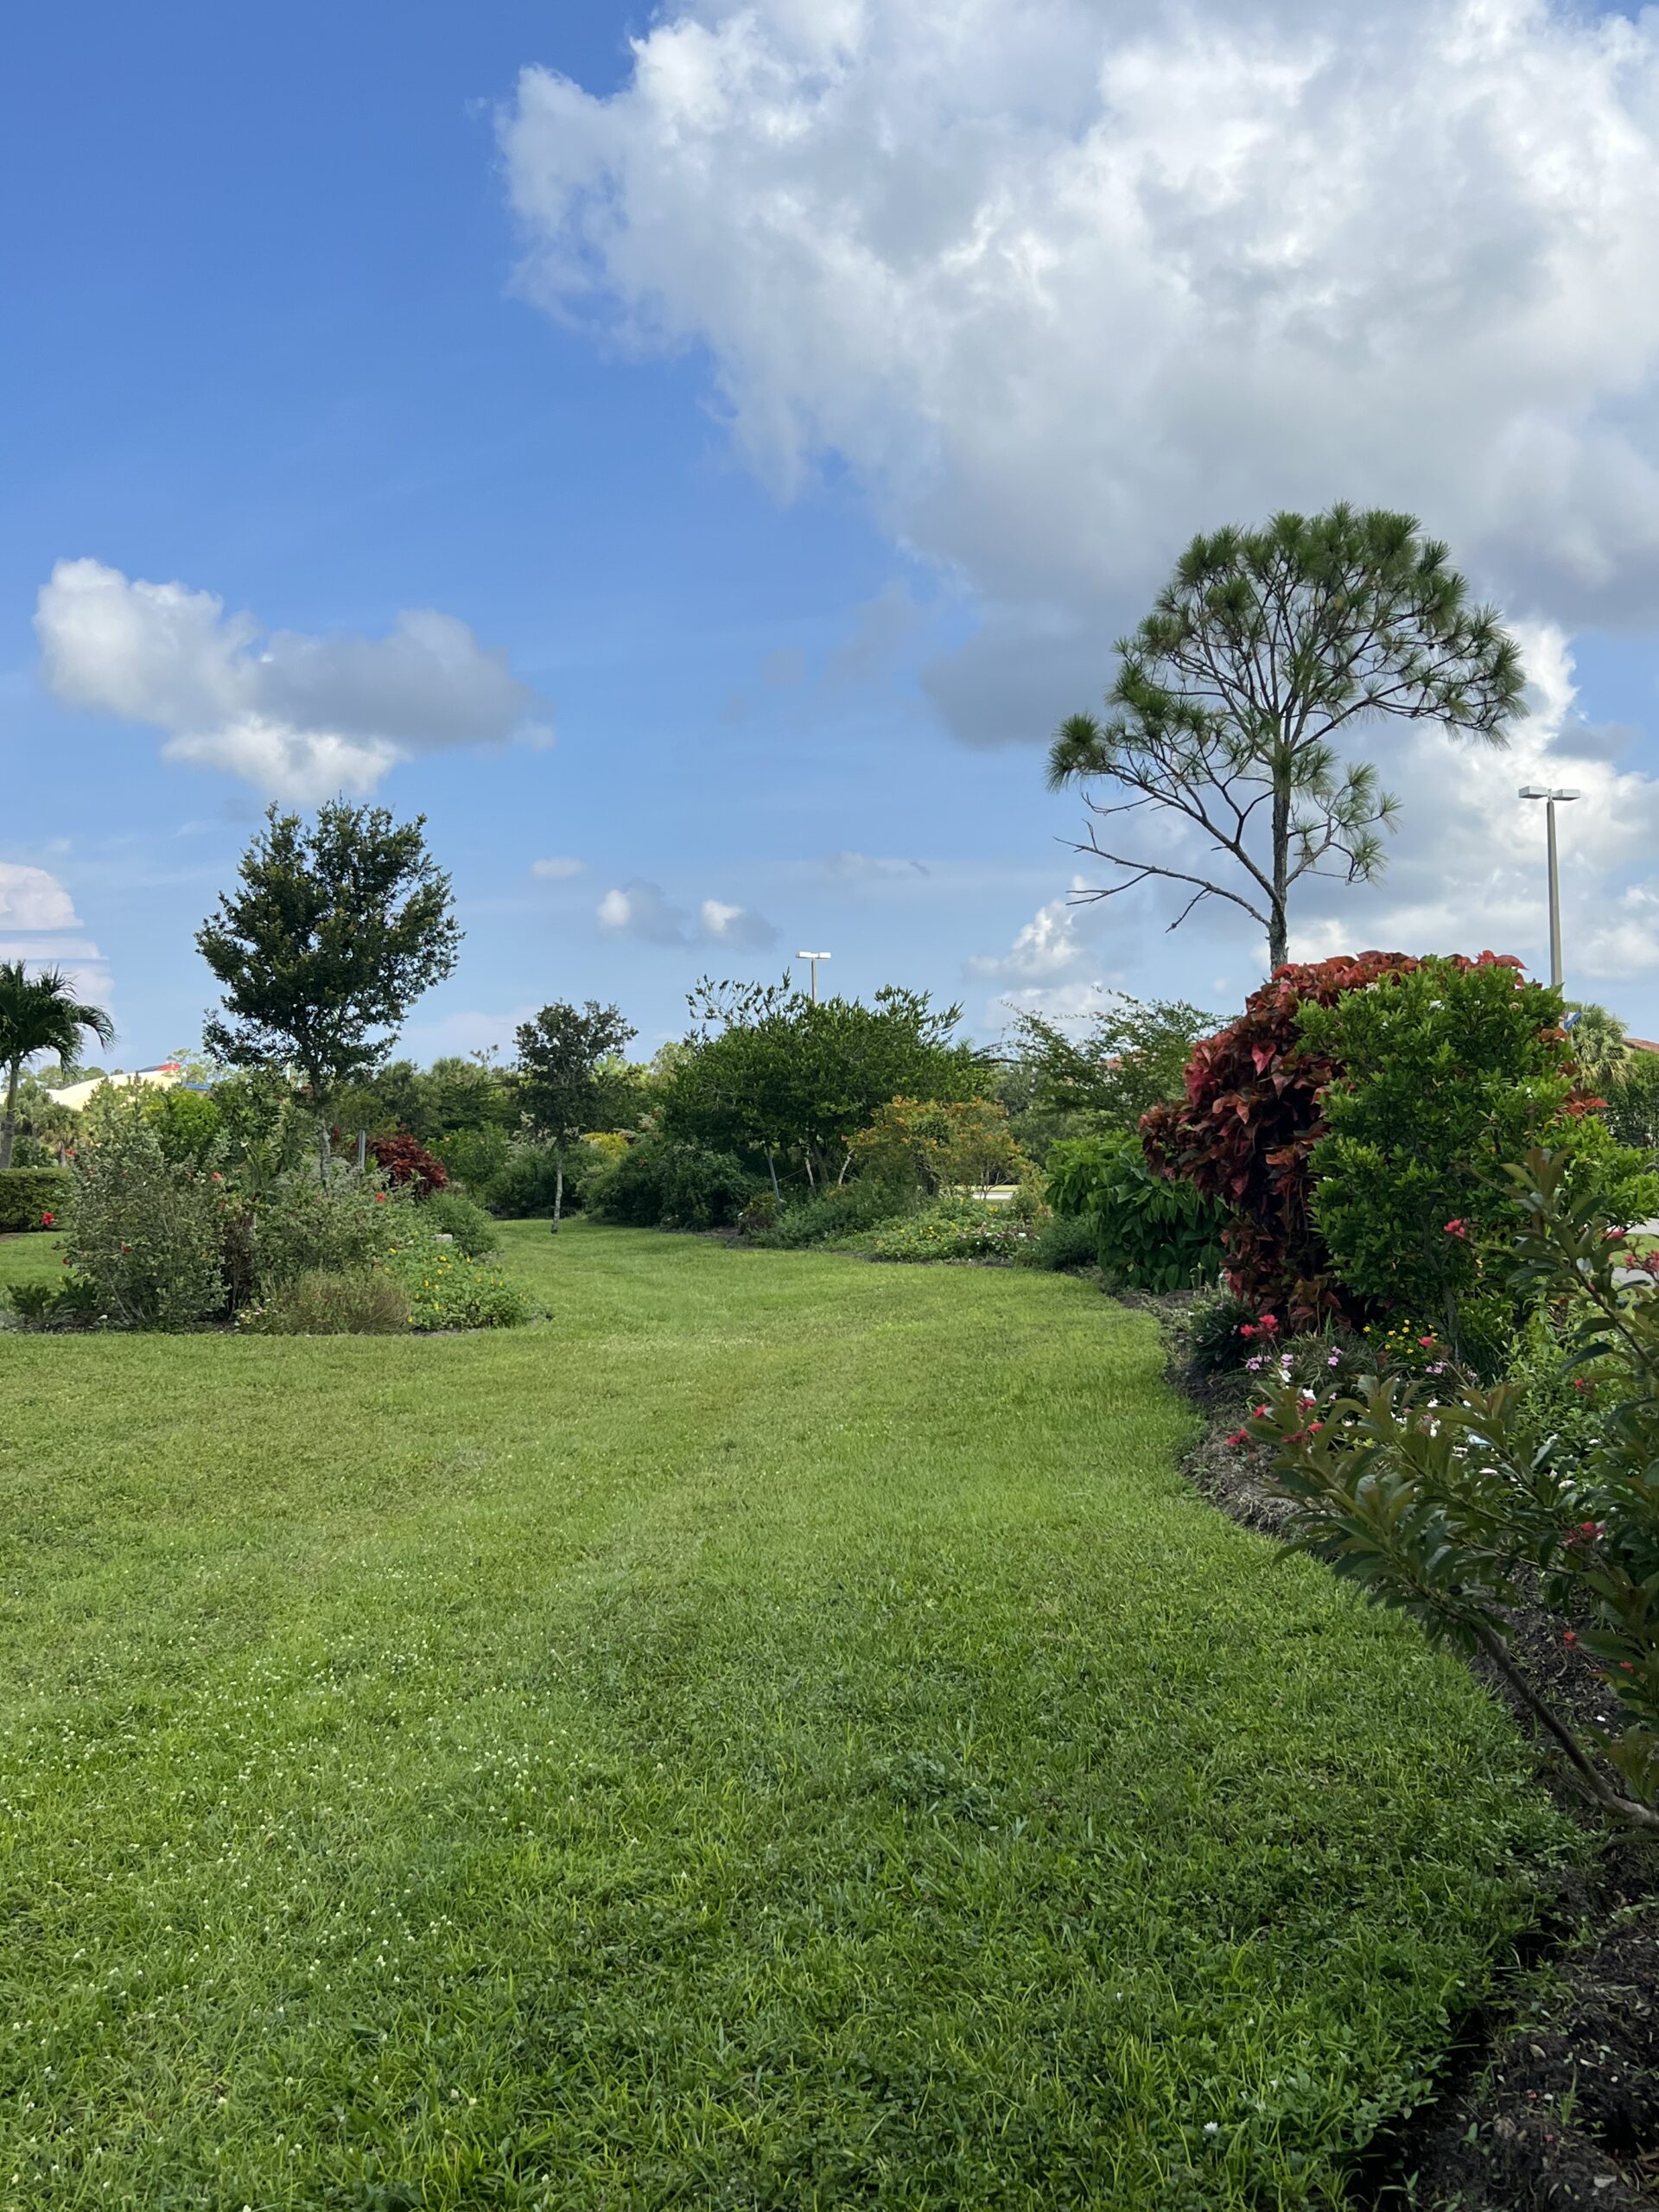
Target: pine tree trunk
(1278, 927)
(9, 1126)
(558, 1187)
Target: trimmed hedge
(27, 1192)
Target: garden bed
(1550, 2095)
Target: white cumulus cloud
(644, 910)
(32, 899)
(300, 718)
(1060, 283)
(736, 925)
(1045, 947)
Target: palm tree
(39, 1013)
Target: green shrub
(522, 1188)
(829, 1214)
(1440, 1500)
(1442, 1073)
(187, 1124)
(1152, 1232)
(952, 1228)
(449, 1214)
(939, 1144)
(1632, 1113)
(445, 1290)
(365, 1302)
(1063, 1241)
(303, 1226)
(759, 1216)
(475, 1157)
(28, 1193)
(146, 1233)
(663, 1183)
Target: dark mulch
(1551, 2097)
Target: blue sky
(797, 540)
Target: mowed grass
(778, 1734)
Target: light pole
(814, 958)
(1555, 799)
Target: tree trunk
(9, 1126)
(1278, 928)
(559, 1188)
(845, 1165)
(322, 1147)
(771, 1170)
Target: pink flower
(1427, 1343)
(379, 1197)
(1269, 1323)
(1247, 1328)
(1239, 1436)
(47, 1220)
(1458, 1227)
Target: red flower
(1239, 1436)
(1259, 1413)
(1247, 1328)
(47, 1220)
(379, 1197)
(1459, 1227)
(1425, 1341)
(1269, 1323)
(1627, 1667)
(1567, 1637)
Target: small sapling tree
(564, 1075)
(332, 934)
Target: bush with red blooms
(406, 1160)
(1251, 1116)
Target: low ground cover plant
(954, 1227)
(445, 1290)
(362, 1302)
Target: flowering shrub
(303, 1226)
(1438, 1498)
(147, 1235)
(954, 1228)
(32, 1197)
(445, 1290)
(1438, 1076)
(407, 1165)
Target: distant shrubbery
(32, 1197)
(161, 1234)
(662, 1182)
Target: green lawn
(779, 1735)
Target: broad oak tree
(1264, 653)
(334, 933)
(565, 1075)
